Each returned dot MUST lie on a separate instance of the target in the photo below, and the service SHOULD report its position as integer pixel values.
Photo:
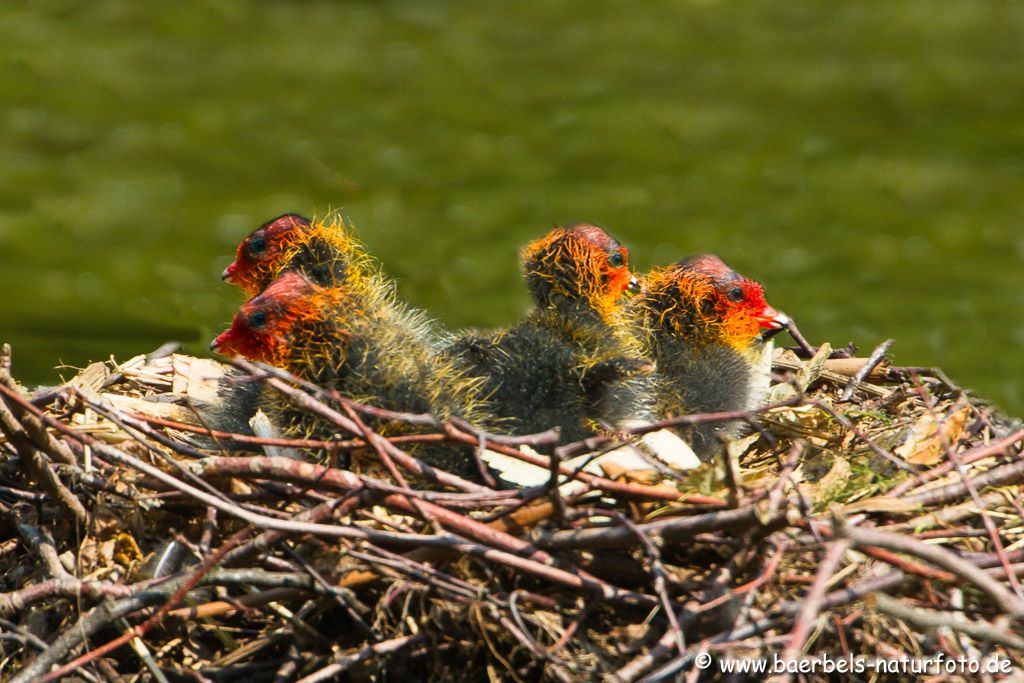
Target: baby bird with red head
(571, 363)
(324, 251)
(707, 328)
(360, 343)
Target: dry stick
(844, 596)
(690, 610)
(935, 619)
(769, 571)
(554, 494)
(989, 560)
(343, 597)
(874, 359)
(139, 596)
(908, 565)
(547, 653)
(141, 630)
(986, 519)
(307, 402)
(937, 555)
(26, 637)
(422, 419)
(42, 543)
(540, 566)
(368, 435)
(556, 670)
(65, 587)
(478, 458)
(277, 466)
(658, 570)
(836, 598)
(504, 445)
(905, 564)
(257, 519)
(570, 632)
(346, 662)
(591, 444)
(453, 521)
(747, 517)
(269, 579)
(801, 341)
(695, 419)
(134, 433)
(814, 599)
(658, 492)
(944, 516)
(668, 642)
(236, 604)
(344, 506)
(546, 438)
(381, 453)
(282, 443)
(36, 466)
(479, 437)
(1004, 475)
(403, 564)
(42, 439)
(579, 580)
(998, 447)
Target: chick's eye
(257, 246)
(616, 260)
(735, 294)
(257, 320)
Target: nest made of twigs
(872, 511)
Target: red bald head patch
(265, 251)
(262, 329)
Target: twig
(346, 662)
(998, 447)
(814, 600)
(1004, 475)
(801, 341)
(874, 359)
(1004, 599)
(139, 631)
(309, 403)
(747, 517)
(36, 466)
(934, 619)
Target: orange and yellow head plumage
(704, 301)
(268, 326)
(579, 266)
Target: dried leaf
(927, 441)
(812, 369)
(738, 447)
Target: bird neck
(369, 347)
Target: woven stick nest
(872, 512)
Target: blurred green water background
(865, 161)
